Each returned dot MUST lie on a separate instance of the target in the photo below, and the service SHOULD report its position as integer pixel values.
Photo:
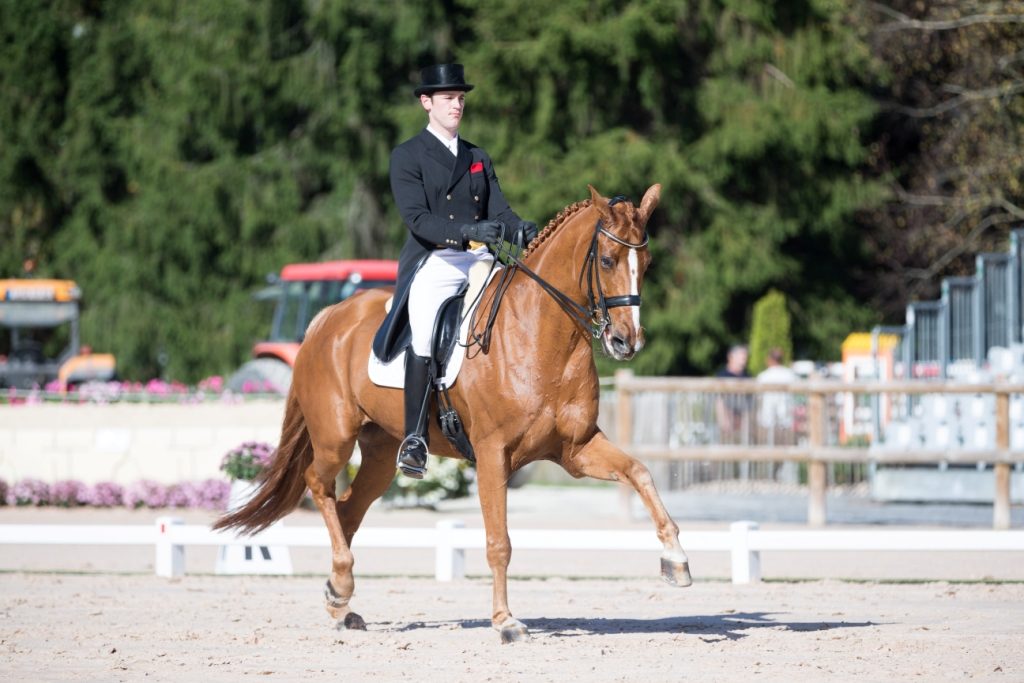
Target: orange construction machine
(43, 344)
(299, 293)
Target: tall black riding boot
(412, 454)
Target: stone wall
(126, 442)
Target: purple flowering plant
(106, 494)
(145, 494)
(69, 494)
(29, 492)
(210, 494)
(248, 460)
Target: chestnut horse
(533, 395)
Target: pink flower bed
(211, 494)
(155, 390)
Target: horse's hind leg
(601, 459)
(376, 472)
(328, 459)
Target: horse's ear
(649, 202)
(600, 203)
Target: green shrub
(770, 329)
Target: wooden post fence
(817, 452)
(1001, 503)
(817, 475)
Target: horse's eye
(607, 262)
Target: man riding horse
(448, 195)
(581, 285)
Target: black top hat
(441, 77)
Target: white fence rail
(449, 539)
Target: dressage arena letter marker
(251, 558)
(254, 558)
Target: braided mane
(563, 216)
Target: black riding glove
(529, 229)
(488, 232)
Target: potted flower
(243, 464)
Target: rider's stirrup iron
(410, 451)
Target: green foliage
(769, 330)
(751, 117)
(169, 154)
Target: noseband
(593, 318)
(599, 304)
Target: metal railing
(974, 314)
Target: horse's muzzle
(620, 344)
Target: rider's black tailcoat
(436, 194)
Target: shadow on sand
(710, 628)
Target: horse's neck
(559, 262)
(560, 259)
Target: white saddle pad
(393, 374)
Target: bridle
(593, 318)
(599, 304)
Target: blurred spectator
(733, 409)
(776, 408)
(735, 363)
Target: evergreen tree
(169, 154)
(752, 117)
(769, 330)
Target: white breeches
(441, 276)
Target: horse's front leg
(492, 487)
(601, 459)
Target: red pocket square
(477, 167)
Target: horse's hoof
(514, 631)
(352, 622)
(676, 573)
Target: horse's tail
(280, 487)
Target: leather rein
(593, 319)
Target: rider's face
(444, 109)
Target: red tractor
(301, 291)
